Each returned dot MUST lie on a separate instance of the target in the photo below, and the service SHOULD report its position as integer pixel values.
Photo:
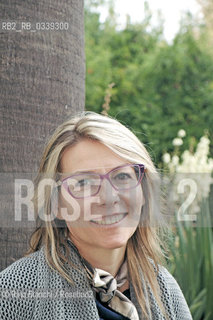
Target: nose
(107, 194)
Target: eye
(83, 182)
(122, 176)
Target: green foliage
(159, 87)
(191, 263)
(98, 61)
(178, 85)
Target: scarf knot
(104, 284)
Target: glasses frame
(141, 170)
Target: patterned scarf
(106, 286)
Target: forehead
(89, 154)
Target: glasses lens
(126, 177)
(83, 185)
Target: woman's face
(108, 219)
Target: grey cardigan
(30, 290)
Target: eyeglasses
(88, 184)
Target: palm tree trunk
(41, 83)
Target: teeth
(110, 219)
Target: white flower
(177, 142)
(204, 140)
(181, 133)
(197, 166)
(175, 160)
(186, 157)
(210, 163)
(166, 158)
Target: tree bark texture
(42, 79)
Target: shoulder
(16, 283)
(168, 284)
(21, 273)
(172, 296)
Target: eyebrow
(68, 174)
(92, 171)
(86, 171)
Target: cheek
(69, 208)
(135, 199)
(76, 210)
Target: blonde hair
(144, 251)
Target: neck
(109, 260)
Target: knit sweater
(31, 290)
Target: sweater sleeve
(31, 290)
(172, 297)
(17, 284)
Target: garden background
(164, 93)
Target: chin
(115, 244)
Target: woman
(95, 253)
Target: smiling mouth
(108, 220)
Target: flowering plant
(192, 169)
